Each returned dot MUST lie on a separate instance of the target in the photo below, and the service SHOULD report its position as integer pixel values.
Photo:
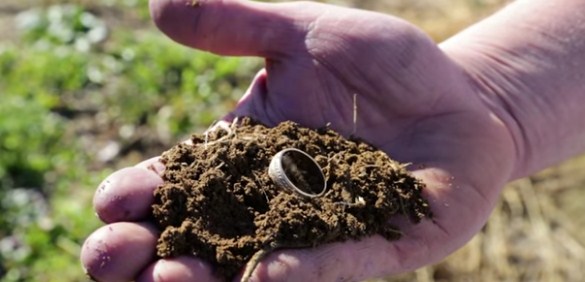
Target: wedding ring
(296, 170)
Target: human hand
(412, 101)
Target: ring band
(296, 170)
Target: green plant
(62, 25)
(59, 102)
(157, 74)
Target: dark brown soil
(219, 203)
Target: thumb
(236, 27)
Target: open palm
(322, 62)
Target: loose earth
(219, 203)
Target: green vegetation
(80, 99)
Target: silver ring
(296, 170)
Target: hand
(413, 102)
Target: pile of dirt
(219, 203)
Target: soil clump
(219, 203)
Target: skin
(498, 101)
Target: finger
(232, 27)
(127, 194)
(119, 251)
(372, 257)
(179, 269)
(346, 261)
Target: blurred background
(87, 87)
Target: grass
(105, 90)
(81, 99)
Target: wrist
(527, 63)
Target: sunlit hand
(412, 101)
